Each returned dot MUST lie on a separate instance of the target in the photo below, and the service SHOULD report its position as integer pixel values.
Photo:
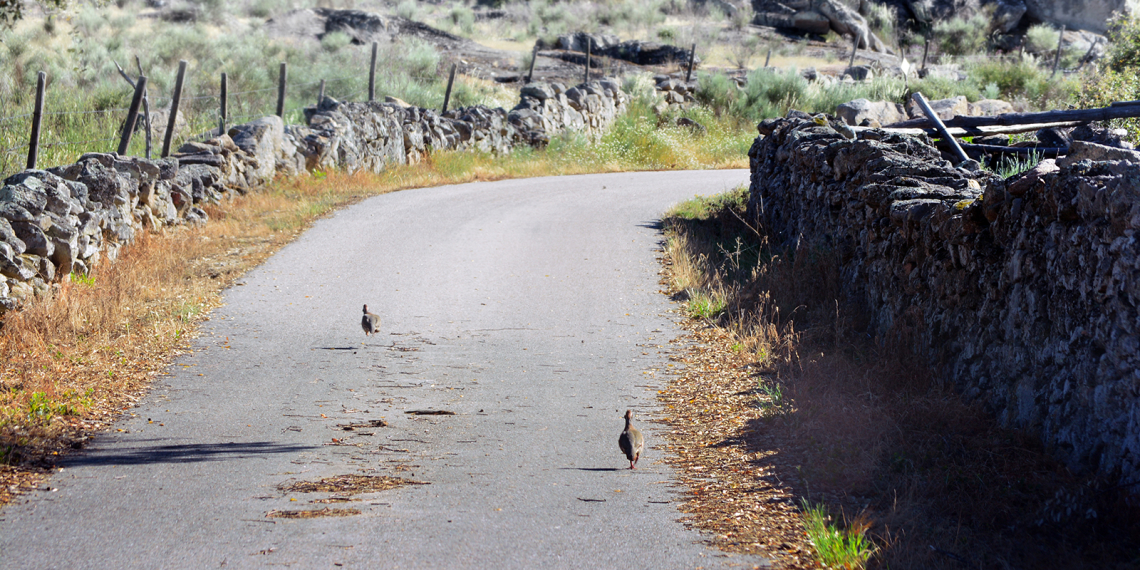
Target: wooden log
(974, 131)
(37, 119)
(958, 152)
(173, 116)
(1046, 152)
(1121, 110)
(132, 115)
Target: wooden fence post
(769, 58)
(172, 118)
(854, 48)
(37, 118)
(447, 95)
(145, 109)
(692, 59)
(321, 93)
(281, 90)
(925, 50)
(132, 115)
(1060, 42)
(372, 74)
(222, 112)
(533, 56)
(589, 44)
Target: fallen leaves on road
(348, 484)
(324, 512)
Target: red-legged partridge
(631, 441)
(370, 323)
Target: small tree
(11, 11)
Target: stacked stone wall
(1022, 293)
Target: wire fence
(66, 132)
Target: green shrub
(408, 9)
(333, 42)
(1124, 43)
(960, 36)
(882, 20)
(1041, 39)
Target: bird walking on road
(836, 125)
(631, 441)
(370, 323)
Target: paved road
(529, 308)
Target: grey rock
(885, 112)
(36, 242)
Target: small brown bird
(631, 441)
(370, 323)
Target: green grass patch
(836, 547)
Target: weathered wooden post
(145, 109)
(132, 115)
(692, 58)
(224, 95)
(533, 56)
(925, 50)
(321, 93)
(172, 118)
(372, 74)
(1060, 42)
(938, 124)
(447, 94)
(37, 118)
(769, 58)
(281, 90)
(854, 48)
(589, 43)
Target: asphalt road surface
(528, 308)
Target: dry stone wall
(1022, 293)
(67, 219)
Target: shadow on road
(590, 468)
(189, 453)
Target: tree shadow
(187, 453)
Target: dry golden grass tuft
(781, 400)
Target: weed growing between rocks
(786, 399)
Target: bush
(881, 18)
(1041, 39)
(334, 41)
(960, 36)
(1124, 43)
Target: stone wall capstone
(1023, 294)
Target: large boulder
(946, 109)
(1091, 15)
(884, 112)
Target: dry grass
(315, 514)
(782, 399)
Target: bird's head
(629, 414)
(820, 119)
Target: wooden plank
(975, 131)
(1122, 110)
